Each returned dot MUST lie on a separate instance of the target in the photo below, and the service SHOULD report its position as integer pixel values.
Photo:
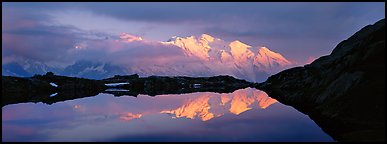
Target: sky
(300, 31)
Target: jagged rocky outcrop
(344, 92)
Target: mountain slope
(81, 68)
(94, 70)
(343, 92)
(27, 68)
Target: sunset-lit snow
(233, 56)
(192, 46)
(268, 59)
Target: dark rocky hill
(343, 92)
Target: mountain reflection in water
(211, 105)
(244, 115)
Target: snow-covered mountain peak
(240, 51)
(237, 53)
(239, 44)
(207, 38)
(270, 61)
(264, 51)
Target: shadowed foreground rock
(344, 92)
(157, 85)
(38, 88)
(51, 88)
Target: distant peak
(238, 43)
(207, 37)
(264, 48)
(266, 51)
(173, 38)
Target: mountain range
(212, 56)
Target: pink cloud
(130, 116)
(129, 38)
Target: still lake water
(244, 115)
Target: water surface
(244, 115)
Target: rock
(119, 79)
(343, 92)
(157, 85)
(16, 89)
(39, 87)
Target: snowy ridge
(235, 57)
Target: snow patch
(112, 89)
(197, 85)
(115, 84)
(54, 94)
(53, 84)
